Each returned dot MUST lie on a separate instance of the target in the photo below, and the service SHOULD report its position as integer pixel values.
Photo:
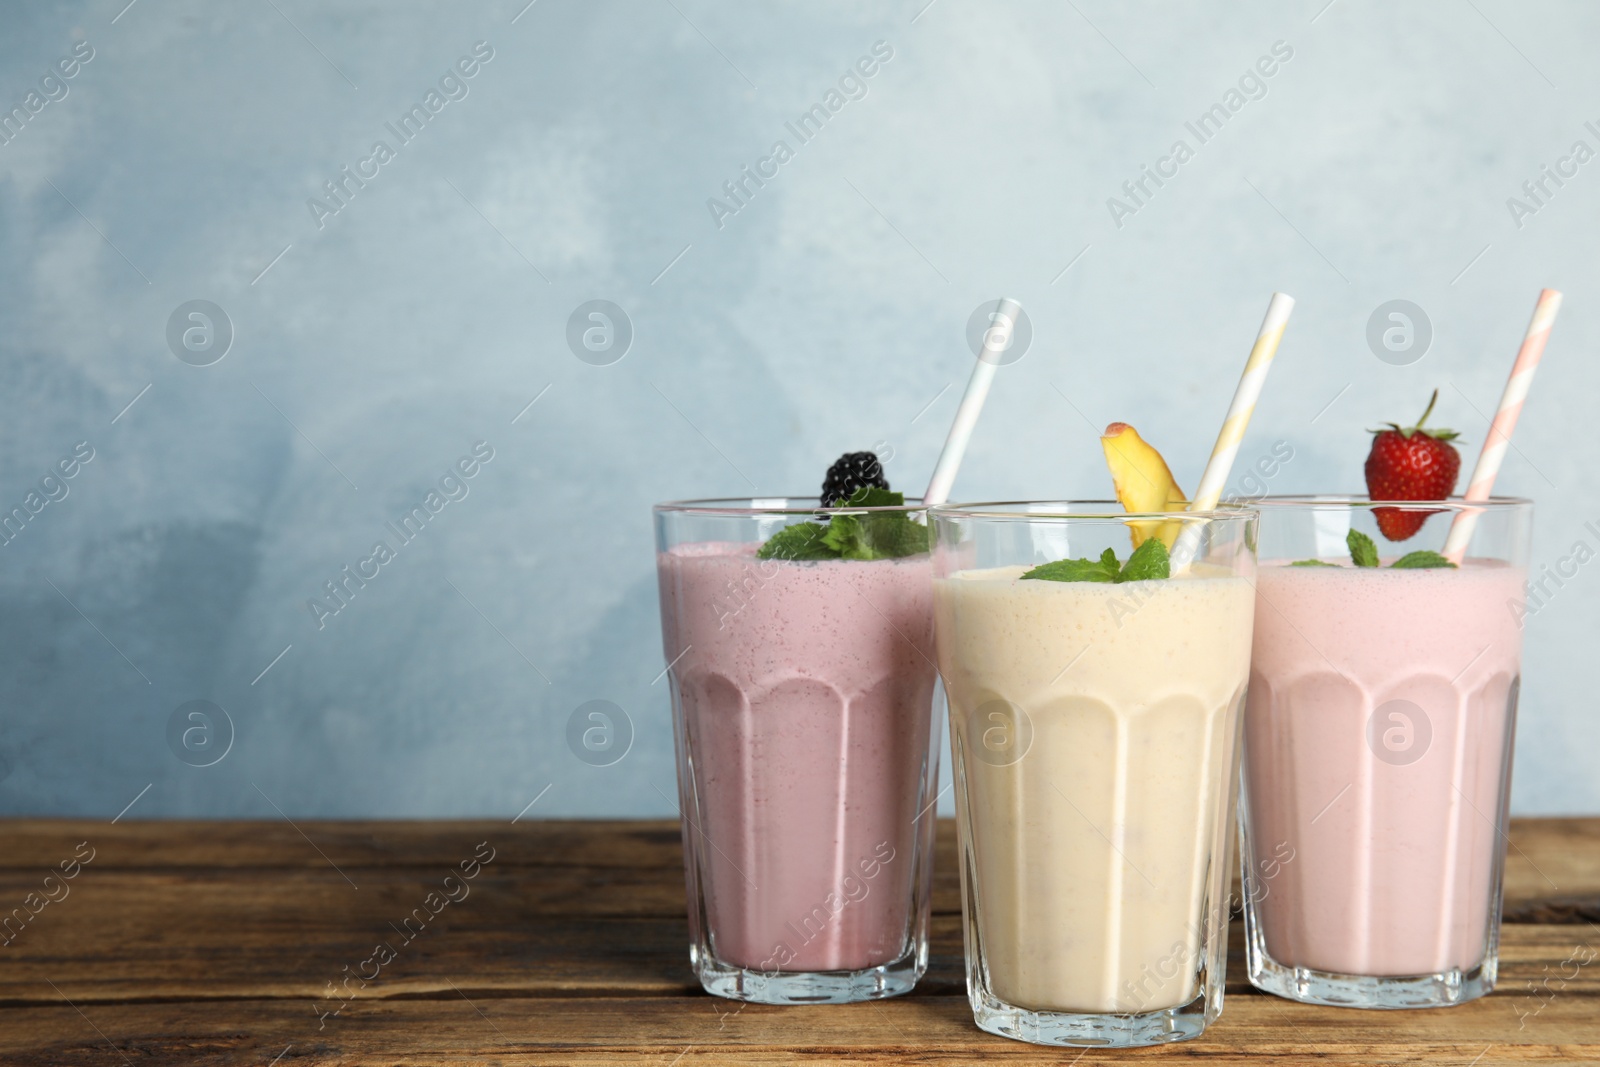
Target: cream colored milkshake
(1095, 861)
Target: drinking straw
(1233, 427)
(996, 340)
(1498, 439)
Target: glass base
(1308, 986)
(1089, 1028)
(809, 987)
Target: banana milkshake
(1095, 716)
(1094, 852)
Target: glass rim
(1104, 511)
(1350, 501)
(776, 505)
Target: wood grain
(216, 943)
(918, 1029)
(1552, 865)
(242, 936)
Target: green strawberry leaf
(1363, 550)
(1149, 560)
(1422, 559)
(1103, 569)
(802, 541)
(1312, 563)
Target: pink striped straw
(1498, 438)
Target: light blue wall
(822, 316)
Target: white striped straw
(1229, 437)
(1498, 439)
(996, 339)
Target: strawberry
(1410, 463)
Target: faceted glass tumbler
(804, 703)
(1378, 739)
(1095, 732)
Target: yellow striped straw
(1226, 449)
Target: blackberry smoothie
(803, 703)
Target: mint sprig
(1363, 550)
(865, 536)
(1422, 559)
(1364, 553)
(1148, 562)
(870, 496)
(1104, 569)
(801, 541)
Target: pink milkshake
(803, 694)
(1378, 738)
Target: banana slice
(1143, 481)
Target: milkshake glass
(1378, 742)
(1095, 734)
(803, 702)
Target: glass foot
(1092, 1029)
(809, 987)
(1370, 991)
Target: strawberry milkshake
(802, 687)
(1378, 741)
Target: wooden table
(200, 943)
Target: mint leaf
(1076, 570)
(1149, 560)
(1312, 563)
(851, 537)
(870, 496)
(873, 534)
(805, 540)
(1363, 550)
(895, 534)
(885, 534)
(843, 536)
(1422, 559)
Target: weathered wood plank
(471, 1027)
(217, 943)
(38, 843)
(204, 934)
(1552, 871)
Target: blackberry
(850, 472)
